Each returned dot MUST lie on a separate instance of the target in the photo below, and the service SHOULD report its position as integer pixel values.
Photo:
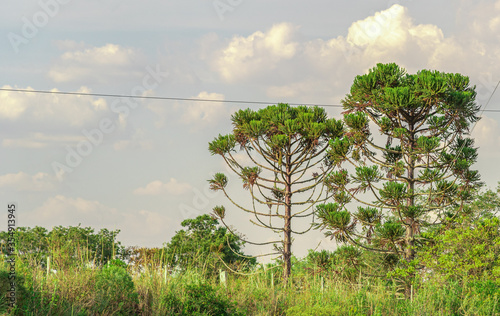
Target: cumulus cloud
(96, 64)
(385, 28)
(247, 56)
(321, 70)
(388, 35)
(158, 187)
(63, 110)
(23, 182)
(317, 68)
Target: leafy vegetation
(66, 245)
(115, 292)
(205, 246)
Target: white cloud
(385, 28)
(98, 64)
(388, 35)
(321, 70)
(247, 56)
(65, 110)
(314, 69)
(157, 188)
(24, 182)
(67, 211)
(203, 113)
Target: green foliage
(115, 292)
(485, 205)
(65, 245)
(22, 295)
(219, 182)
(203, 244)
(324, 283)
(332, 216)
(222, 145)
(322, 260)
(468, 250)
(198, 299)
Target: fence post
(223, 277)
(272, 279)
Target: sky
(142, 165)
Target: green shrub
(115, 293)
(199, 299)
(5, 286)
(315, 310)
(468, 251)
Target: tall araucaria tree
(286, 147)
(414, 173)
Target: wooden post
(322, 284)
(223, 277)
(48, 265)
(272, 279)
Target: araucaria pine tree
(413, 172)
(286, 147)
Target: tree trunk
(287, 232)
(287, 244)
(410, 228)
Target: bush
(468, 251)
(115, 293)
(304, 310)
(199, 299)
(21, 293)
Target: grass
(114, 290)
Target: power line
(176, 98)
(160, 98)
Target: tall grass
(117, 290)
